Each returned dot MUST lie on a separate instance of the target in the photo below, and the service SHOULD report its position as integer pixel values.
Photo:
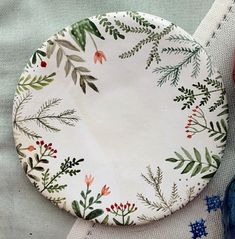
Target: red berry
(190, 116)
(121, 204)
(190, 121)
(42, 142)
(189, 136)
(115, 204)
(112, 207)
(55, 151)
(50, 144)
(197, 107)
(43, 64)
(37, 142)
(54, 157)
(125, 206)
(108, 209)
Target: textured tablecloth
(24, 25)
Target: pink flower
(89, 180)
(105, 191)
(99, 56)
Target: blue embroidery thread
(198, 229)
(213, 203)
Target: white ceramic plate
(120, 118)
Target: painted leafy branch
(109, 27)
(76, 72)
(206, 165)
(203, 92)
(191, 56)
(37, 164)
(152, 37)
(79, 29)
(161, 203)
(85, 207)
(123, 212)
(36, 82)
(43, 117)
(67, 167)
(140, 19)
(197, 123)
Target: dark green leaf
(217, 160)
(59, 57)
(25, 167)
(44, 161)
(197, 155)
(81, 203)
(224, 125)
(34, 58)
(42, 53)
(181, 163)
(218, 126)
(105, 220)
(91, 200)
(196, 170)
(67, 67)
(208, 157)
(82, 69)
(83, 84)
(117, 222)
(79, 29)
(30, 162)
(93, 214)
(83, 194)
(189, 156)
(88, 78)
(188, 167)
(39, 168)
(67, 44)
(179, 156)
(76, 208)
(205, 169)
(74, 76)
(75, 58)
(93, 86)
(173, 160)
(210, 175)
(33, 177)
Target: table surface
(24, 26)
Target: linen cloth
(24, 25)
(202, 217)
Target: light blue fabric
(24, 25)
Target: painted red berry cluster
(46, 149)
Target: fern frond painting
(120, 118)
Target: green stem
(123, 220)
(85, 207)
(43, 117)
(211, 91)
(93, 41)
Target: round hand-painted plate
(120, 118)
